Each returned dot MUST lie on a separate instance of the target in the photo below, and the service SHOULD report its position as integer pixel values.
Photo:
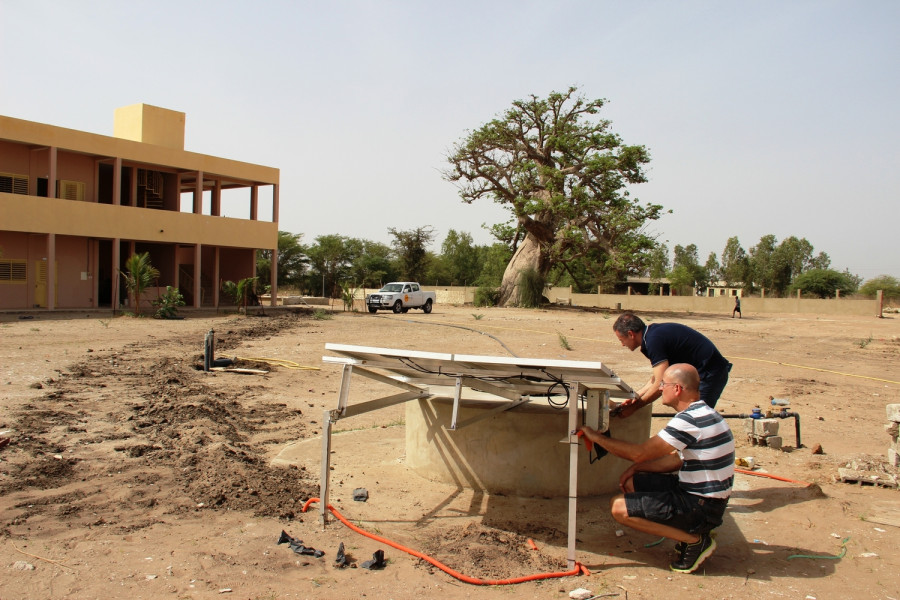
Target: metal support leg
(326, 467)
(573, 479)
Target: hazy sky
(762, 117)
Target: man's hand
(629, 407)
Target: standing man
(698, 444)
(666, 344)
(737, 307)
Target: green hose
(835, 557)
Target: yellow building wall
(64, 217)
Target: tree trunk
(529, 255)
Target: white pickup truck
(400, 296)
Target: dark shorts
(712, 385)
(657, 497)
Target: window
(14, 184)
(70, 190)
(12, 271)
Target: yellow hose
(280, 362)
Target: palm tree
(138, 275)
(241, 291)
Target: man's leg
(620, 513)
(711, 387)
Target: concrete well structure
(520, 452)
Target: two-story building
(75, 205)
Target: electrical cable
(579, 569)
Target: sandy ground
(132, 474)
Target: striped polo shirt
(705, 444)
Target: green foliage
(411, 249)
(735, 267)
(240, 292)
(823, 283)
(348, 293)
(563, 341)
(564, 176)
(494, 259)
(478, 316)
(321, 314)
(292, 261)
(862, 343)
(138, 276)
(531, 288)
(167, 304)
(890, 286)
(486, 295)
(687, 273)
(461, 258)
(774, 267)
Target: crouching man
(681, 478)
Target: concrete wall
(518, 452)
(459, 295)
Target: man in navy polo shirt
(667, 344)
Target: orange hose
(772, 477)
(465, 578)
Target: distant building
(642, 285)
(720, 288)
(75, 205)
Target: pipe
(579, 568)
(784, 414)
(209, 350)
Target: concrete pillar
(51, 271)
(275, 203)
(198, 194)
(116, 277)
(879, 303)
(254, 202)
(117, 182)
(215, 278)
(51, 178)
(197, 259)
(216, 205)
(273, 277)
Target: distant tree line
(334, 263)
(778, 268)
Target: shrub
(486, 295)
(531, 288)
(167, 304)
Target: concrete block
(893, 458)
(893, 412)
(761, 427)
(774, 441)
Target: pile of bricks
(892, 427)
(763, 432)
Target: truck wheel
(427, 307)
(405, 310)
(373, 310)
(398, 307)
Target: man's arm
(664, 464)
(645, 452)
(647, 394)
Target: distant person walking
(737, 307)
(667, 344)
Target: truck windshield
(392, 287)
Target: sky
(763, 117)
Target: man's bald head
(684, 375)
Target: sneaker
(679, 546)
(692, 555)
